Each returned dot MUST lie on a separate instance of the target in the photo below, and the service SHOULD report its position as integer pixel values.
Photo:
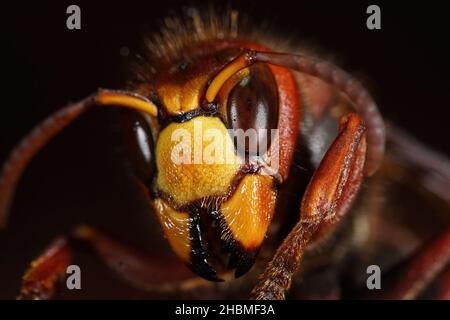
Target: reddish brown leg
(443, 285)
(40, 281)
(327, 198)
(161, 273)
(424, 267)
(158, 272)
(422, 167)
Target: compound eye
(139, 146)
(252, 105)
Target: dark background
(77, 177)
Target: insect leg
(40, 281)
(422, 167)
(444, 285)
(422, 269)
(327, 198)
(161, 273)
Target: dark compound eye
(252, 105)
(139, 145)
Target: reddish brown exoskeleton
(217, 216)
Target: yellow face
(195, 159)
(197, 167)
(211, 200)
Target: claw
(199, 254)
(240, 259)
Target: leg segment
(423, 268)
(424, 167)
(326, 200)
(161, 273)
(444, 285)
(41, 279)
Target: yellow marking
(179, 98)
(249, 211)
(195, 159)
(175, 225)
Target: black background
(45, 65)
(406, 62)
